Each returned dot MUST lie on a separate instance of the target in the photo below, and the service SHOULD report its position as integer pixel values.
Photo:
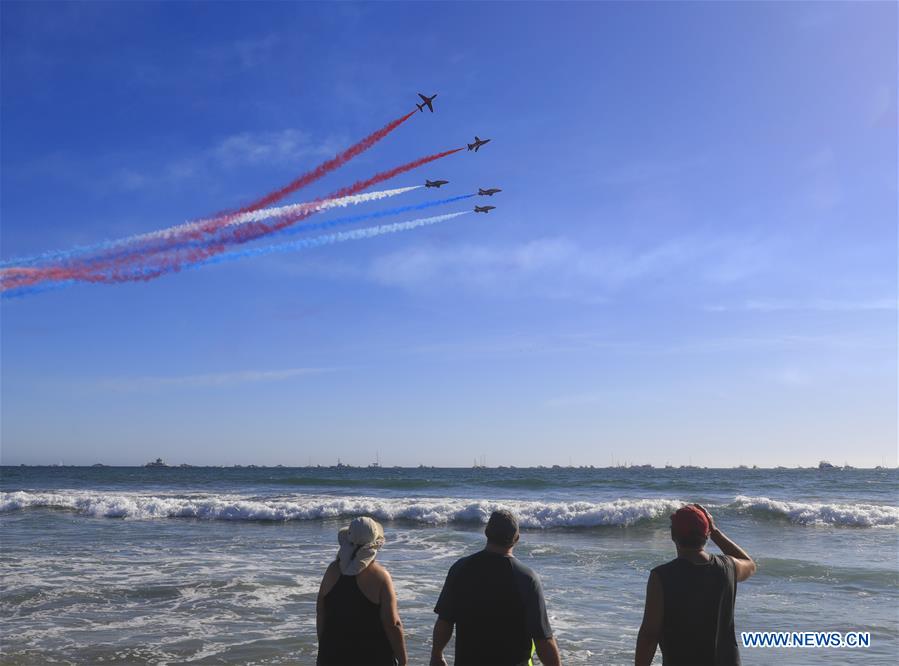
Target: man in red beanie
(689, 609)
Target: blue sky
(693, 257)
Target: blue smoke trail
(301, 228)
(37, 289)
(78, 250)
(298, 229)
(305, 243)
(316, 241)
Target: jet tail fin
(421, 107)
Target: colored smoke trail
(161, 263)
(251, 231)
(329, 239)
(340, 221)
(170, 232)
(215, 222)
(292, 246)
(324, 168)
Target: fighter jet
(490, 192)
(483, 209)
(435, 183)
(477, 143)
(426, 102)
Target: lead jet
(435, 183)
(490, 192)
(477, 143)
(483, 209)
(426, 102)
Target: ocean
(119, 565)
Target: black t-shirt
(698, 621)
(497, 605)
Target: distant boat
(825, 465)
(99, 465)
(158, 463)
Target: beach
(222, 565)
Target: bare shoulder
(333, 569)
(379, 573)
(332, 575)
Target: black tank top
(698, 622)
(354, 635)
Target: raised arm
(743, 564)
(651, 628)
(390, 618)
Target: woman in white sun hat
(357, 620)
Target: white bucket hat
(359, 544)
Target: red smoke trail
(157, 263)
(12, 277)
(252, 230)
(222, 219)
(318, 172)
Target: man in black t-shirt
(689, 609)
(496, 605)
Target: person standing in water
(690, 600)
(496, 605)
(357, 620)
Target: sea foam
(814, 513)
(420, 510)
(429, 511)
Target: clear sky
(694, 256)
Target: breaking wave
(812, 513)
(535, 515)
(430, 511)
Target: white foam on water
(430, 511)
(425, 510)
(815, 513)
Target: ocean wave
(430, 511)
(534, 515)
(813, 513)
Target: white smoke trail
(278, 211)
(242, 218)
(328, 239)
(316, 241)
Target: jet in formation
(435, 183)
(489, 192)
(426, 102)
(483, 209)
(477, 144)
